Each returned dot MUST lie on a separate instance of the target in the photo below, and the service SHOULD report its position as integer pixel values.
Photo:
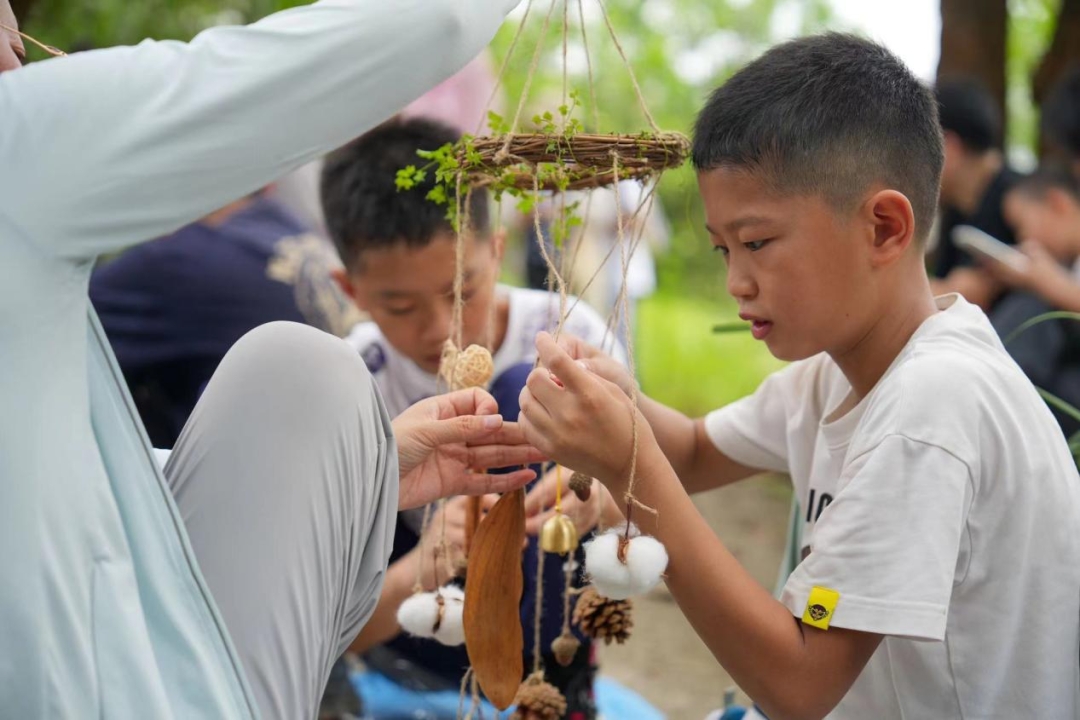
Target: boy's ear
(343, 281)
(893, 223)
(498, 244)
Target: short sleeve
(753, 431)
(890, 541)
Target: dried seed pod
(581, 485)
(565, 648)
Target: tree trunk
(1064, 51)
(973, 44)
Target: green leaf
(437, 194)
(405, 178)
(1045, 317)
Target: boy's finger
(540, 497)
(534, 524)
(536, 423)
(555, 359)
(546, 390)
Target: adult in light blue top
(233, 600)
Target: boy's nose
(739, 283)
(438, 327)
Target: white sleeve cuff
(916, 620)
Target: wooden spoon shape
(493, 635)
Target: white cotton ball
(418, 615)
(452, 627)
(646, 560)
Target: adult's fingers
(463, 429)
(508, 434)
(482, 483)
(483, 457)
(470, 401)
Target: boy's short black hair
(365, 209)
(831, 115)
(1046, 178)
(967, 109)
(1060, 120)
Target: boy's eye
(756, 245)
(721, 249)
(399, 311)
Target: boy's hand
(540, 504)
(443, 439)
(598, 362)
(1041, 272)
(578, 418)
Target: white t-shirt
(944, 508)
(403, 383)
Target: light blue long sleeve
(103, 612)
(117, 146)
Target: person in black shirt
(974, 182)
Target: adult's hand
(447, 442)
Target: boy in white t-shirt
(942, 507)
(398, 250)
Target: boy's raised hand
(578, 418)
(442, 440)
(597, 361)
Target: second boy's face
(409, 293)
(794, 264)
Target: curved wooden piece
(493, 635)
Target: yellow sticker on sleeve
(820, 607)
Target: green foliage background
(680, 50)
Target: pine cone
(603, 618)
(565, 648)
(538, 700)
(581, 485)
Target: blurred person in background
(974, 181)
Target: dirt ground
(664, 660)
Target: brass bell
(559, 535)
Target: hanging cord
(55, 52)
(539, 607)
(419, 586)
(529, 79)
(502, 69)
(631, 501)
(629, 69)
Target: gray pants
(286, 477)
